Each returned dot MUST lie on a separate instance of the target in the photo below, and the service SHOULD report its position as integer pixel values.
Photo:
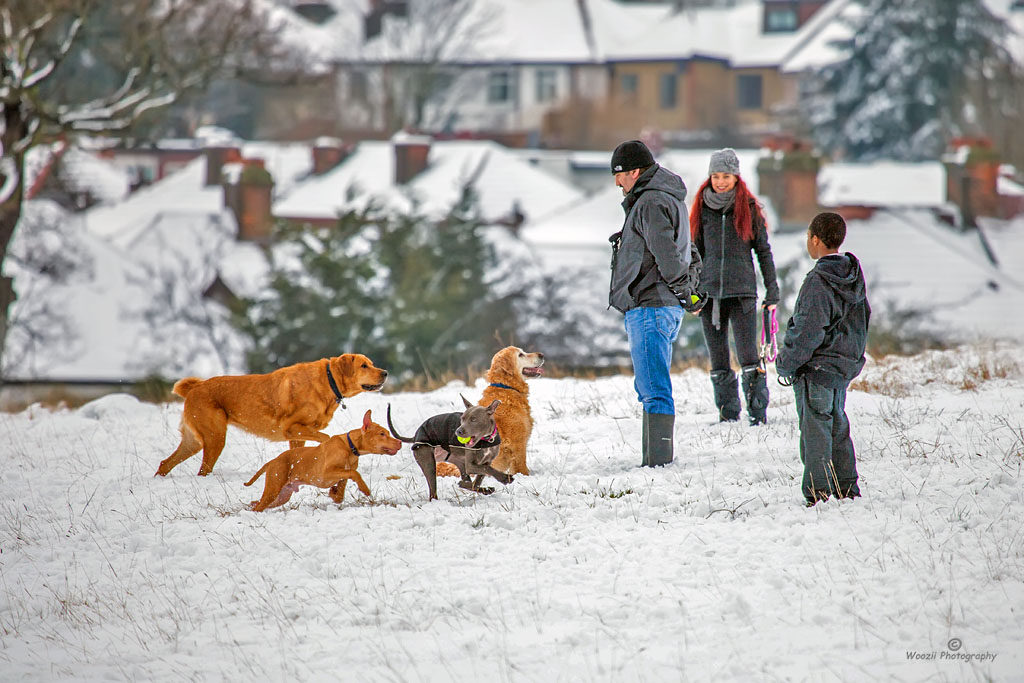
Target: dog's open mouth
(372, 387)
(533, 372)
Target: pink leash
(769, 343)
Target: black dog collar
(351, 445)
(338, 398)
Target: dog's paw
(506, 479)
(468, 485)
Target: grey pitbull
(469, 440)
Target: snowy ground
(590, 569)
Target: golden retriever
(507, 382)
(291, 404)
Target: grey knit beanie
(724, 161)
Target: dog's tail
(258, 474)
(394, 433)
(183, 386)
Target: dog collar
(503, 386)
(338, 398)
(355, 451)
(493, 434)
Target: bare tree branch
(97, 66)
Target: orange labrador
(507, 377)
(329, 465)
(289, 404)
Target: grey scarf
(719, 201)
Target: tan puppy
(327, 465)
(507, 376)
(289, 404)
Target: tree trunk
(10, 212)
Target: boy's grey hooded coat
(828, 333)
(653, 260)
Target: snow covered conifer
(913, 74)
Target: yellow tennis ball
(463, 439)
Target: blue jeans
(651, 333)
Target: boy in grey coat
(823, 351)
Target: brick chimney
(216, 158)
(327, 153)
(373, 22)
(248, 192)
(411, 152)
(972, 178)
(789, 176)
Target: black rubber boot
(660, 434)
(645, 449)
(755, 391)
(727, 395)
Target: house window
(500, 87)
(628, 84)
(780, 19)
(547, 85)
(667, 86)
(749, 91)
(359, 87)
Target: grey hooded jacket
(653, 261)
(828, 333)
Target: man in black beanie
(655, 273)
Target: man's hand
(693, 303)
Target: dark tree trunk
(10, 211)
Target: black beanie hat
(631, 155)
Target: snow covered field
(590, 569)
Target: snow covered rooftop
(80, 170)
(594, 31)
(914, 262)
(882, 183)
(184, 191)
(734, 34)
(499, 177)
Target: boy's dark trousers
(826, 449)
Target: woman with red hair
(726, 224)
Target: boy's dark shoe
(815, 498)
(849, 490)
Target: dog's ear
(494, 406)
(464, 401)
(366, 421)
